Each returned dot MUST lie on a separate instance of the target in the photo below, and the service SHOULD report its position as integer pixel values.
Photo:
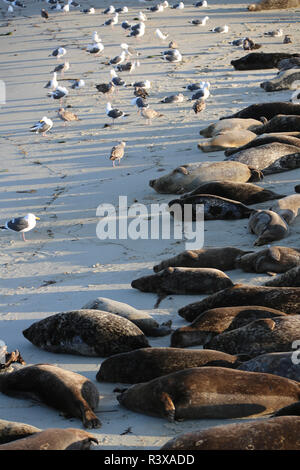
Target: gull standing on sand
(44, 14)
(118, 59)
(21, 224)
(59, 93)
(115, 80)
(140, 92)
(66, 8)
(117, 152)
(142, 16)
(125, 25)
(112, 21)
(122, 10)
(200, 22)
(53, 84)
(201, 4)
(179, 6)
(129, 50)
(67, 116)
(58, 52)
(161, 35)
(78, 84)
(203, 93)
(42, 126)
(149, 114)
(140, 103)
(110, 10)
(62, 68)
(194, 86)
(172, 55)
(128, 67)
(137, 30)
(114, 113)
(157, 8)
(95, 37)
(89, 11)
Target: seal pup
(268, 434)
(261, 336)
(286, 299)
(54, 439)
(219, 320)
(210, 393)
(273, 5)
(260, 60)
(268, 225)
(228, 125)
(214, 207)
(278, 363)
(226, 140)
(86, 333)
(188, 177)
(268, 110)
(148, 363)
(11, 431)
(183, 281)
(218, 258)
(290, 278)
(62, 389)
(247, 193)
(288, 208)
(140, 318)
(274, 259)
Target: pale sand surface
(71, 174)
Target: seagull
(114, 113)
(44, 14)
(142, 16)
(173, 98)
(140, 92)
(179, 6)
(194, 86)
(200, 22)
(21, 224)
(199, 106)
(237, 42)
(62, 68)
(10, 9)
(201, 4)
(112, 21)
(116, 81)
(118, 59)
(122, 10)
(66, 8)
(140, 103)
(105, 88)
(157, 8)
(275, 34)
(59, 52)
(203, 93)
(161, 35)
(95, 48)
(52, 83)
(42, 126)
(74, 4)
(130, 50)
(117, 152)
(78, 84)
(149, 114)
(125, 25)
(137, 30)
(128, 67)
(89, 11)
(287, 39)
(67, 116)
(221, 29)
(111, 9)
(172, 55)
(59, 93)
(142, 84)
(95, 37)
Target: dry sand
(64, 176)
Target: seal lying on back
(148, 363)
(210, 393)
(278, 363)
(226, 125)
(187, 177)
(62, 389)
(274, 259)
(260, 60)
(288, 208)
(280, 433)
(247, 193)
(290, 278)
(11, 431)
(268, 110)
(214, 208)
(283, 81)
(273, 5)
(268, 225)
(54, 439)
(286, 299)
(218, 320)
(87, 333)
(140, 318)
(218, 258)
(259, 337)
(183, 281)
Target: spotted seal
(290, 278)
(11, 431)
(267, 139)
(268, 225)
(285, 80)
(278, 363)
(274, 259)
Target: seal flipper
(89, 419)
(290, 410)
(160, 297)
(169, 407)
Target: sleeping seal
(278, 363)
(285, 80)
(273, 5)
(280, 433)
(225, 140)
(11, 431)
(210, 393)
(274, 259)
(268, 110)
(227, 125)
(268, 225)
(59, 388)
(288, 208)
(285, 299)
(260, 60)
(267, 138)
(290, 278)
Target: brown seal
(210, 393)
(183, 281)
(146, 364)
(280, 123)
(54, 439)
(278, 363)
(259, 337)
(260, 60)
(268, 110)
(268, 225)
(274, 259)
(247, 193)
(227, 125)
(218, 320)
(288, 208)
(273, 5)
(62, 389)
(285, 299)
(218, 258)
(226, 140)
(290, 278)
(11, 431)
(280, 433)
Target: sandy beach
(64, 176)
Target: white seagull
(118, 59)
(59, 52)
(53, 84)
(42, 126)
(114, 113)
(21, 224)
(200, 22)
(161, 35)
(221, 29)
(172, 55)
(95, 48)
